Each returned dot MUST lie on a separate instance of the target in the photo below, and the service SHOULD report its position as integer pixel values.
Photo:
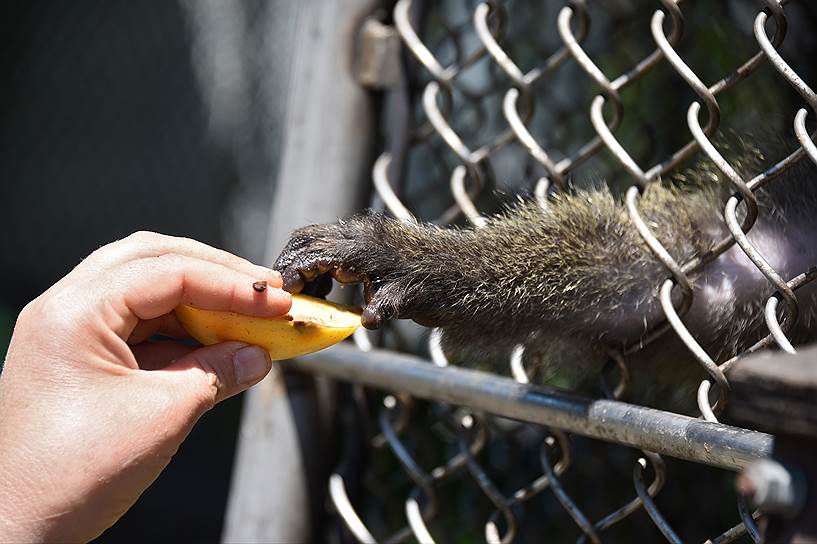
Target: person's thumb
(211, 374)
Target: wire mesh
(515, 96)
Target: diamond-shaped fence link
(498, 97)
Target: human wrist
(19, 520)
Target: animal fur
(573, 279)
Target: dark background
(103, 132)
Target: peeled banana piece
(310, 325)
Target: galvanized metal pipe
(667, 433)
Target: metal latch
(378, 55)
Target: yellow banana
(310, 325)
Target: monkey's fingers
(296, 279)
(382, 306)
(318, 288)
(293, 282)
(310, 263)
(403, 299)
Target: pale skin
(92, 411)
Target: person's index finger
(151, 287)
(145, 244)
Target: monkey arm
(577, 267)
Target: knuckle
(281, 262)
(313, 230)
(347, 274)
(143, 238)
(105, 253)
(206, 394)
(166, 264)
(171, 261)
(300, 238)
(126, 247)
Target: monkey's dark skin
(575, 278)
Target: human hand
(92, 411)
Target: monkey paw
(360, 250)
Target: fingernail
(251, 364)
(276, 280)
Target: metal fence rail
(476, 117)
(655, 430)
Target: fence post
(328, 132)
(776, 393)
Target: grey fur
(575, 278)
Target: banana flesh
(310, 325)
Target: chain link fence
(499, 98)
